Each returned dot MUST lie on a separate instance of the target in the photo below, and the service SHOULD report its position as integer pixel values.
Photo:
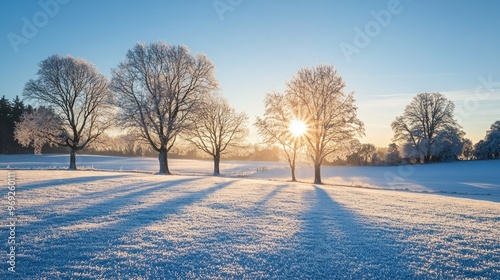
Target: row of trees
(428, 132)
(161, 93)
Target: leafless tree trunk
(78, 95)
(217, 165)
(293, 160)
(317, 173)
(72, 159)
(274, 127)
(215, 127)
(163, 159)
(159, 86)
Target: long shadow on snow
(58, 182)
(334, 244)
(80, 247)
(269, 196)
(103, 208)
(234, 251)
(134, 187)
(331, 245)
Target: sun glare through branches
(297, 127)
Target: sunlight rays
(297, 127)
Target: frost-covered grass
(139, 164)
(472, 179)
(118, 225)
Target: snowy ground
(140, 164)
(475, 180)
(472, 179)
(117, 225)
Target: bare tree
(215, 127)
(274, 127)
(159, 85)
(79, 96)
(422, 121)
(318, 93)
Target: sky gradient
(386, 51)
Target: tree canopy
(319, 97)
(78, 94)
(423, 125)
(159, 86)
(215, 127)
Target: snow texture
(116, 225)
(470, 179)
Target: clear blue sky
(257, 45)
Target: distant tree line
(426, 132)
(489, 147)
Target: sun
(297, 127)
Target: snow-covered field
(475, 179)
(140, 164)
(122, 225)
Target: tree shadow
(331, 243)
(234, 249)
(58, 182)
(335, 244)
(88, 195)
(259, 205)
(82, 246)
(105, 207)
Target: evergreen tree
(5, 121)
